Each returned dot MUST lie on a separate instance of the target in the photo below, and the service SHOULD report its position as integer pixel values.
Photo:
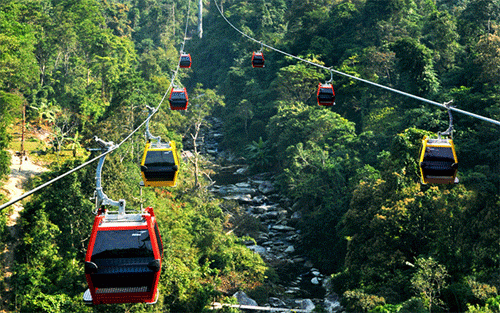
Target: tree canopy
(391, 244)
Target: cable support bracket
(100, 197)
(331, 76)
(149, 136)
(448, 132)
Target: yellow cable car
(160, 165)
(438, 161)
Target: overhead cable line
(50, 182)
(442, 105)
(94, 159)
(86, 163)
(186, 28)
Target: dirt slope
(21, 171)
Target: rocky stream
(303, 288)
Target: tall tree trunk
(173, 18)
(200, 19)
(23, 130)
(195, 162)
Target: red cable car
(178, 99)
(326, 94)
(257, 59)
(123, 261)
(185, 61)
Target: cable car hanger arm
(149, 136)
(449, 130)
(100, 197)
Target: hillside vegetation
(87, 68)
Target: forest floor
(22, 169)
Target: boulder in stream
(266, 187)
(241, 171)
(277, 302)
(243, 299)
(306, 304)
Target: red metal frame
(129, 297)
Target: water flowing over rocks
(303, 285)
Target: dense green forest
(87, 68)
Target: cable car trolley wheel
(160, 165)
(178, 99)
(326, 94)
(258, 59)
(185, 60)
(124, 257)
(438, 161)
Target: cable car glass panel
(122, 244)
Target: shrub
(358, 301)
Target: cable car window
(159, 158)
(158, 239)
(326, 92)
(438, 153)
(178, 95)
(122, 244)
